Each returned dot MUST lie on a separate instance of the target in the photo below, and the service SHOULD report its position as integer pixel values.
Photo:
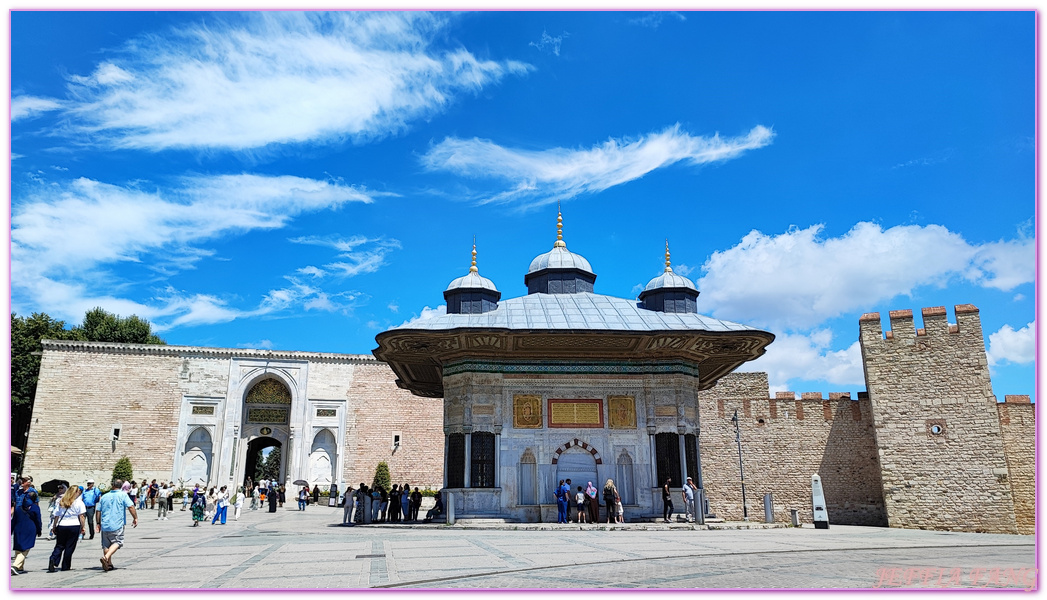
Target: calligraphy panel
(527, 411)
(622, 412)
(576, 413)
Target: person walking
(688, 502)
(303, 497)
(667, 501)
(69, 526)
(185, 499)
(112, 518)
(199, 505)
(26, 526)
(316, 494)
(272, 498)
(133, 493)
(154, 491)
(161, 496)
(90, 498)
(238, 503)
(282, 497)
(221, 502)
(610, 493)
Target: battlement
(809, 406)
(935, 324)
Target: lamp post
(741, 469)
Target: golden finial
(668, 269)
(559, 228)
(473, 268)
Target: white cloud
(544, 176)
(553, 43)
(809, 357)
(393, 307)
(247, 80)
(24, 107)
(259, 345)
(356, 261)
(1008, 345)
(799, 279)
(67, 236)
(654, 19)
(426, 314)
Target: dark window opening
(667, 455)
(456, 460)
(482, 460)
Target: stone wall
(83, 392)
(379, 410)
(937, 429)
(785, 440)
(1018, 425)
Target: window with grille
(482, 460)
(456, 460)
(667, 455)
(690, 447)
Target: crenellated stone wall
(784, 441)
(937, 431)
(1018, 425)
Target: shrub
(382, 477)
(123, 470)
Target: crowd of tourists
(586, 503)
(72, 515)
(376, 505)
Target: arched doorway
(255, 453)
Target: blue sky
(304, 181)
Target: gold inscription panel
(576, 413)
(622, 411)
(527, 411)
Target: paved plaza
(311, 549)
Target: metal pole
(741, 469)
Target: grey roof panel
(583, 310)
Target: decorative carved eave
(418, 356)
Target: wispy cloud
(26, 107)
(67, 237)
(545, 176)
(426, 314)
(654, 19)
(799, 279)
(550, 43)
(248, 80)
(358, 259)
(259, 345)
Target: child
(621, 513)
(579, 502)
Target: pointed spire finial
(668, 269)
(559, 228)
(473, 268)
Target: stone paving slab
(309, 549)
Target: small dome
(559, 258)
(472, 281)
(670, 280)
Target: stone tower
(936, 422)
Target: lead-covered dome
(471, 293)
(669, 292)
(559, 271)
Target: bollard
(700, 505)
(768, 509)
(450, 508)
(796, 517)
(367, 508)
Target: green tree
(272, 463)
(382, 477)
(26, 333)
(122, 470)
(101, 325)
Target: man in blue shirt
(112, 517)
(90, 498)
